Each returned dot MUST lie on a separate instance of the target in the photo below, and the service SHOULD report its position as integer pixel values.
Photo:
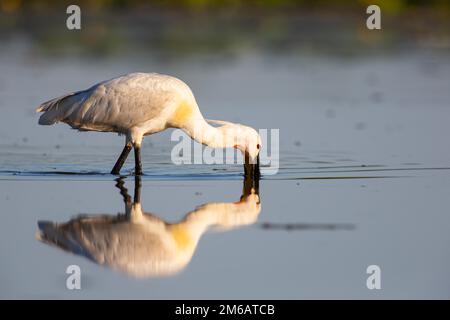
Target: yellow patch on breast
(181, 236)
(182, 114)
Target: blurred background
(334, 83)
(223, 30)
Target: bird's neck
(202, 132)
(224, 214)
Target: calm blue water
(363, 179)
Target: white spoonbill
(140, 104)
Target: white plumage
(140, 104)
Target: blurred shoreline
(180, 32)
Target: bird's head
(247, 140)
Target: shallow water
(363, 179)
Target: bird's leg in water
(123, 156)
(120, 184)
(137, 189)
(137, 160)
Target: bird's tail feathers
(52, 109)
(53, 233)
(62, 236)
(53, 103)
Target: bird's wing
(116, 104)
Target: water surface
(363, 179)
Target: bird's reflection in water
(142, 244)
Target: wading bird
(140, 104)
(142, 244)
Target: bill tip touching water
(141, 104)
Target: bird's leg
(137, 160)
(120, 184)
(137, 189)
(123, 156)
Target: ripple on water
(32, 163)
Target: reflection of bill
(143, 245)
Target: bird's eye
(258, 146)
